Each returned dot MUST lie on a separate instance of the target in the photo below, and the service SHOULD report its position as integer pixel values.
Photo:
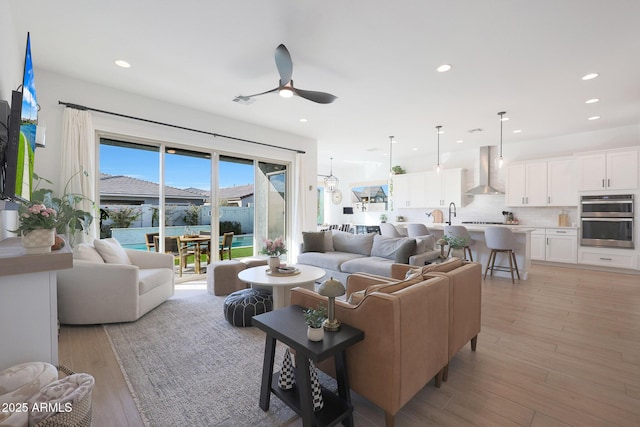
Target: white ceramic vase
(315, 334)
(39, 241)
(274, 262)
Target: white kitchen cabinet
(538, 244)
(561, 245)
(527, 184)
(610, 170)
(562, 185)
(607, 257)
(443, 188)
(409, 190)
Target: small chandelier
(500, 159)
(331, 181)
(438, 165)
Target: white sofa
(113, 285)
(343, 253)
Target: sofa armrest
(360, 281)
(399, 271)
(421, 259)
(146, 259)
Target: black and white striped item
(287, 379)
(316, 391)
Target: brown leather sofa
(465, 300)
(405, 342)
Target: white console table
(28, 303)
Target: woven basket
(79, 416)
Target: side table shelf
(334, 411)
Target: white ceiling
(379, 57)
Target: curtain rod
(84, 108)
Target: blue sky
(181, 171)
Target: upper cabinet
(443, 188)
(427, 189)
(542, 183)
(610, 170)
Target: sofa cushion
(356, 297)
(398, 249)
(372, 265)
(151, 278)
(404, 251)
(86, 252)
(328, 260)
(328, 241)
(313, 241)
(353, 243)
(111, 251)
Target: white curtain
(78, 165)
(300, 205)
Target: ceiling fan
(285, 86)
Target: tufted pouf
(222, 277)
(241, 306)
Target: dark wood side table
(287, 326)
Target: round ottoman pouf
(241, 306)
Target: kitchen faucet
(454, 212)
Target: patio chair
(227, 240)
(173, 245)
(205, 247)
(150, 242)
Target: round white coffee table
(281, 285)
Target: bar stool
(459, 231)
(416, 229)
(501, 239)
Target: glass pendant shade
(331, 181)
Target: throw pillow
(404, 251)
(413, 273)
(86, 252)
(111, 251)
(328, 241)
(425, 243)
(353, 243)
(313, 241)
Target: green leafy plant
(124, 217)
(70, 217)
(192, 215)
(398, 170)
(315, 317)
(455, 242)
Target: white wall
(480, 208)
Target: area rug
(186, 366)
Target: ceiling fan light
(285, 92)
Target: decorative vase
(39, 241)
(274, 263)
(315, 334)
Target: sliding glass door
(271, 201)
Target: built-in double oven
(607, 221)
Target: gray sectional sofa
(340, 253)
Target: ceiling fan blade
(261, 93)
(284, 64)
(319, 97)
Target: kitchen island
(481, 253)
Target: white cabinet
(561, 245)
(611, 170)
(527, 184)
(619, 258)
(562, 185)
(538, 244)
(409, 190)
(443, 188)
(555, 245)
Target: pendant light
(438, 166)
(500, 159)
(331, 181)
(391, 142)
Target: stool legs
(513, 264)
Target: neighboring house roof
(120, 185)
(236, 192)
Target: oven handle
(608, 219)
(606, 202)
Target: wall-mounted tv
(17, 171)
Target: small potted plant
(314, 319)
(37, 228)
(273, 249)
(456, 244)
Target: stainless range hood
(484, 187)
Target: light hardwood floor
(560, 349)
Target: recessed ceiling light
(592, 100)
(594, 118)
(590, 76)
(122, 63)
(460, 141)
(444, 68)
(517, 131)
(415, 148)
(303, 120)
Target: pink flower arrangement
(37, 217)
(274, 247)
